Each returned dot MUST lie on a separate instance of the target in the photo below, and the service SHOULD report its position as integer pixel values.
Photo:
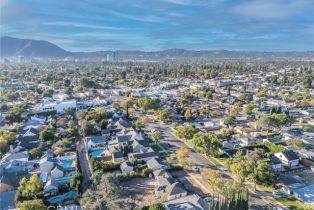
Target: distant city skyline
(255, 25)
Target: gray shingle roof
(7, 200)
(175, 188)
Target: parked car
(278, 193)
(196, 168)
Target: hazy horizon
(82, 26)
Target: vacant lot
(138, 192)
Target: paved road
(258, 199)
(167, 137)
(86, 171)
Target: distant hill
(12, 47)
(30, 48)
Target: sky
(151, 25)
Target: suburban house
(161, 173)
(143, 156)
(56, 172)
(276, 164)
(59, 107)
(126, 167)
(47, 163)
(95, 141)
(175, 190)
(117, 156)
(188, 202)
(155, 164)
(11, 174)
(288, 158)
(7, 200)
(21, 156)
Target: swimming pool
(67, 164)
(97, 153)
(60, 198)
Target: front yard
(293, 204)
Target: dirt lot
(138, 192)
(193, 182)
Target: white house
(276, 163)
(58, 106)
(288, 158)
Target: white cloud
(81, 25)
(150, 18)
(272, 9)
(188, 2)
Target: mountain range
(28, 48)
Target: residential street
(258, 199)
(86, 171)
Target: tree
(103, 192)
(235, 201)
(35, 153)
(46, 135)
(204, 111)
(155, 136)
(186, 132)
(88, 127)
(183, 153)
(163, 115)
(6, 138)
(240, 169)
(72, 129)
(148, 103)
(164, 197)
(213, 176)
(127, 103)
(248, 109)
(265, 121)
(70, 111)
(14, 114)
(37, 204)
(32, 188)
(9, 95)
(103, 124)
(87, 82)
(76, 179)
(65, 142)
(188, 114)
(228, 120)
(156, 206)
(262, 173)
(206, 144)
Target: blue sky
(91, 25)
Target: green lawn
(265, 188)
(292, 203)
(214, 161)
